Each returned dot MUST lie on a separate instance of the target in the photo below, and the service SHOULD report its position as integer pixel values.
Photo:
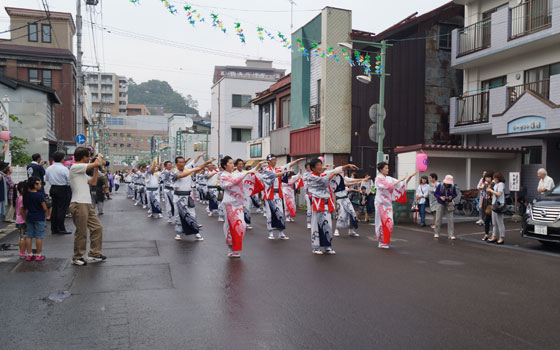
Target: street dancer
(139, 182)
(168, 190)
(185, 215)
(239, 169)
(305, 178)
(236, 191)
(346, 214)
(129, 184)
(288, 189)
(273, 196)
(212, 177)
(323, 205)
(152, 189)
(388, 190)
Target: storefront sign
(514, 182)
(527, 124)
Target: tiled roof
(421, 147)
(35, 51)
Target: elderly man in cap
(445, 193)
(273, 197)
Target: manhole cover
(48, 265)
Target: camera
(94, 158)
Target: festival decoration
(6, 135)
(260, 32)
(378, 66)
(239, 32)
(170, 8)
(421, 162)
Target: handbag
(499, 208)
(488, 210)
(450, 206)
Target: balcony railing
(541, 88)
(473, 109)
(530, 16)
(475, 37)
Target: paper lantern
(421, 162)
(6, 135)
(322, 159)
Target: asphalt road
(157, 293)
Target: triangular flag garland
(356, 59)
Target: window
(1, 70)
(240, 135)
(114, 145)
(494, 83)
(47, 77)
(284, 117)
(241, 101)
(128, 145)
(121, 145)
(34, 76)
(533, 155)
(32, 29)
(50, 116)
(256, 150)
(445, 36)
(46, 33)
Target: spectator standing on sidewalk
(498, 201)
(98, 193)
(445, 194)
(546, 184)
(36, 206)
(58, 176)
(480, 187)
(20, 218)
(486, 203)
(369, 185)
(422, 193)
(3, 191)
(432, 197)
(83, 214)
(36, 168)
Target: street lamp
(366, 79)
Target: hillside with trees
(157, 92)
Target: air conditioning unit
(315, 114)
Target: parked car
(542, 218)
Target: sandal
(492, 240)
(485, 238)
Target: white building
(33, 105)
(510, 56)
(109, 92)
(188, 141)
(234, 118)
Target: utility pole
(79, 116)
(381, 110)
(292, 3)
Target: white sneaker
(198, 237)
(144, 207)
(308, 225)
(353, 233)
(170, 221)
(150, 215)
(283, 236)
(452, 238)
(210, 213)
(271, 235)
(259, 210)
(317, 251)
(436, 236)
(159, 216)
(330, 251)
(383, 246)
(249, 227)
(178, 238)
(221, 219)
(135, 203)
(336, 233)
(234, 255)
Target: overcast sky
(189, 68)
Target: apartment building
(509, 52)
(186, 139)
(234, 118)
(109, 93)
(40, 51)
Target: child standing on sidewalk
(20, 218)
(34, 202)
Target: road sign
(91, 149)
(80, 139)
(514, 182)
(188, 122)
(374, 110)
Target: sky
(144, 41)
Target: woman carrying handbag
(498, 208)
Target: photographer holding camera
(83, 214)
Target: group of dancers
(233, 190)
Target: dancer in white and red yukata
(237, 187)
(239, 165)
(305, 178)
(323, 205)
(273, 196)
(387, 190)
(289, 186)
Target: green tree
(157, 92)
